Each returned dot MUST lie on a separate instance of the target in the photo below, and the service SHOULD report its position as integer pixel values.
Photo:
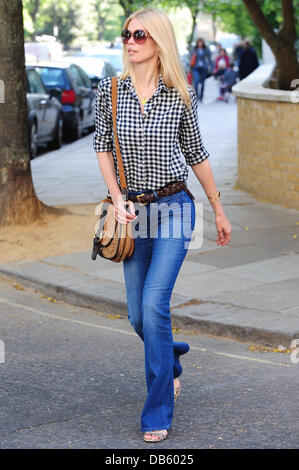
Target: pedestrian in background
(201, 65)
(230, 77)
(237, 52)
(157, 122)
(248, 60)
(227, 80)
(221, 63)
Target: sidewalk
(248, 290)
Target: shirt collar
(161, 85)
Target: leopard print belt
(167, 190)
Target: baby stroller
(220, 76)
(223, 92)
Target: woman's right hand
(121, 214)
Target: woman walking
(156, 122)
(203, 64)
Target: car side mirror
(56, 92)
(94, 82)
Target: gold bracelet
(213, 197)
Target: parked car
(96, 68)
(75, 93)
(45, 116)
(114, 56)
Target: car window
(35, 83)
(114, 59)
(76, 76)
(52, 77)
(85, 78)
(109, 70)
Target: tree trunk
(18, 201)
(286, 63)
(282, 43)
(128, 7)
(33, 13)
(214, 26)
(194, 17)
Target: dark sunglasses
(139, 36)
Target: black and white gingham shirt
(151, 144)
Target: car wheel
(91, 128)
(77, 130)
(33, 140)
(58, 139)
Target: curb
(180, 319)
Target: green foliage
(90, 20)
(42, 15)
(105, 20)
(106, 17)
(233, 17)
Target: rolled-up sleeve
(190, 139)
(102, 139)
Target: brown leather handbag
(113, 240)
(193, 60)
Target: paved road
(73, 378)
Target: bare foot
(176, 383)
(177, 388)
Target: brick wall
(268, 150)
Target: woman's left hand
(223, 230)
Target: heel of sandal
(177, 391)
(155, 436)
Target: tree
(61, 18)
(275, 20)
(194, 6)
(281, 42)
(107, 18)
(100, 19)
(32, 7)
(129, 6)
(232, 17)
(63, 15)
(18, 201)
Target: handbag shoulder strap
(121, 171)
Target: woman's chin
(134, 59)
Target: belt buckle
(138, 196)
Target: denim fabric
(199, 76)
(150, 274)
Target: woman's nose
(131, 40)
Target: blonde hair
(159, 26)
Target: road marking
(93, 325)
(52, 315)
(246, 358)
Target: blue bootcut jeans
(199, 77)
(162, 232)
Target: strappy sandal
(155, 436)
(177, 391)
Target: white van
(44, 50)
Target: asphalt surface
(74, 378)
